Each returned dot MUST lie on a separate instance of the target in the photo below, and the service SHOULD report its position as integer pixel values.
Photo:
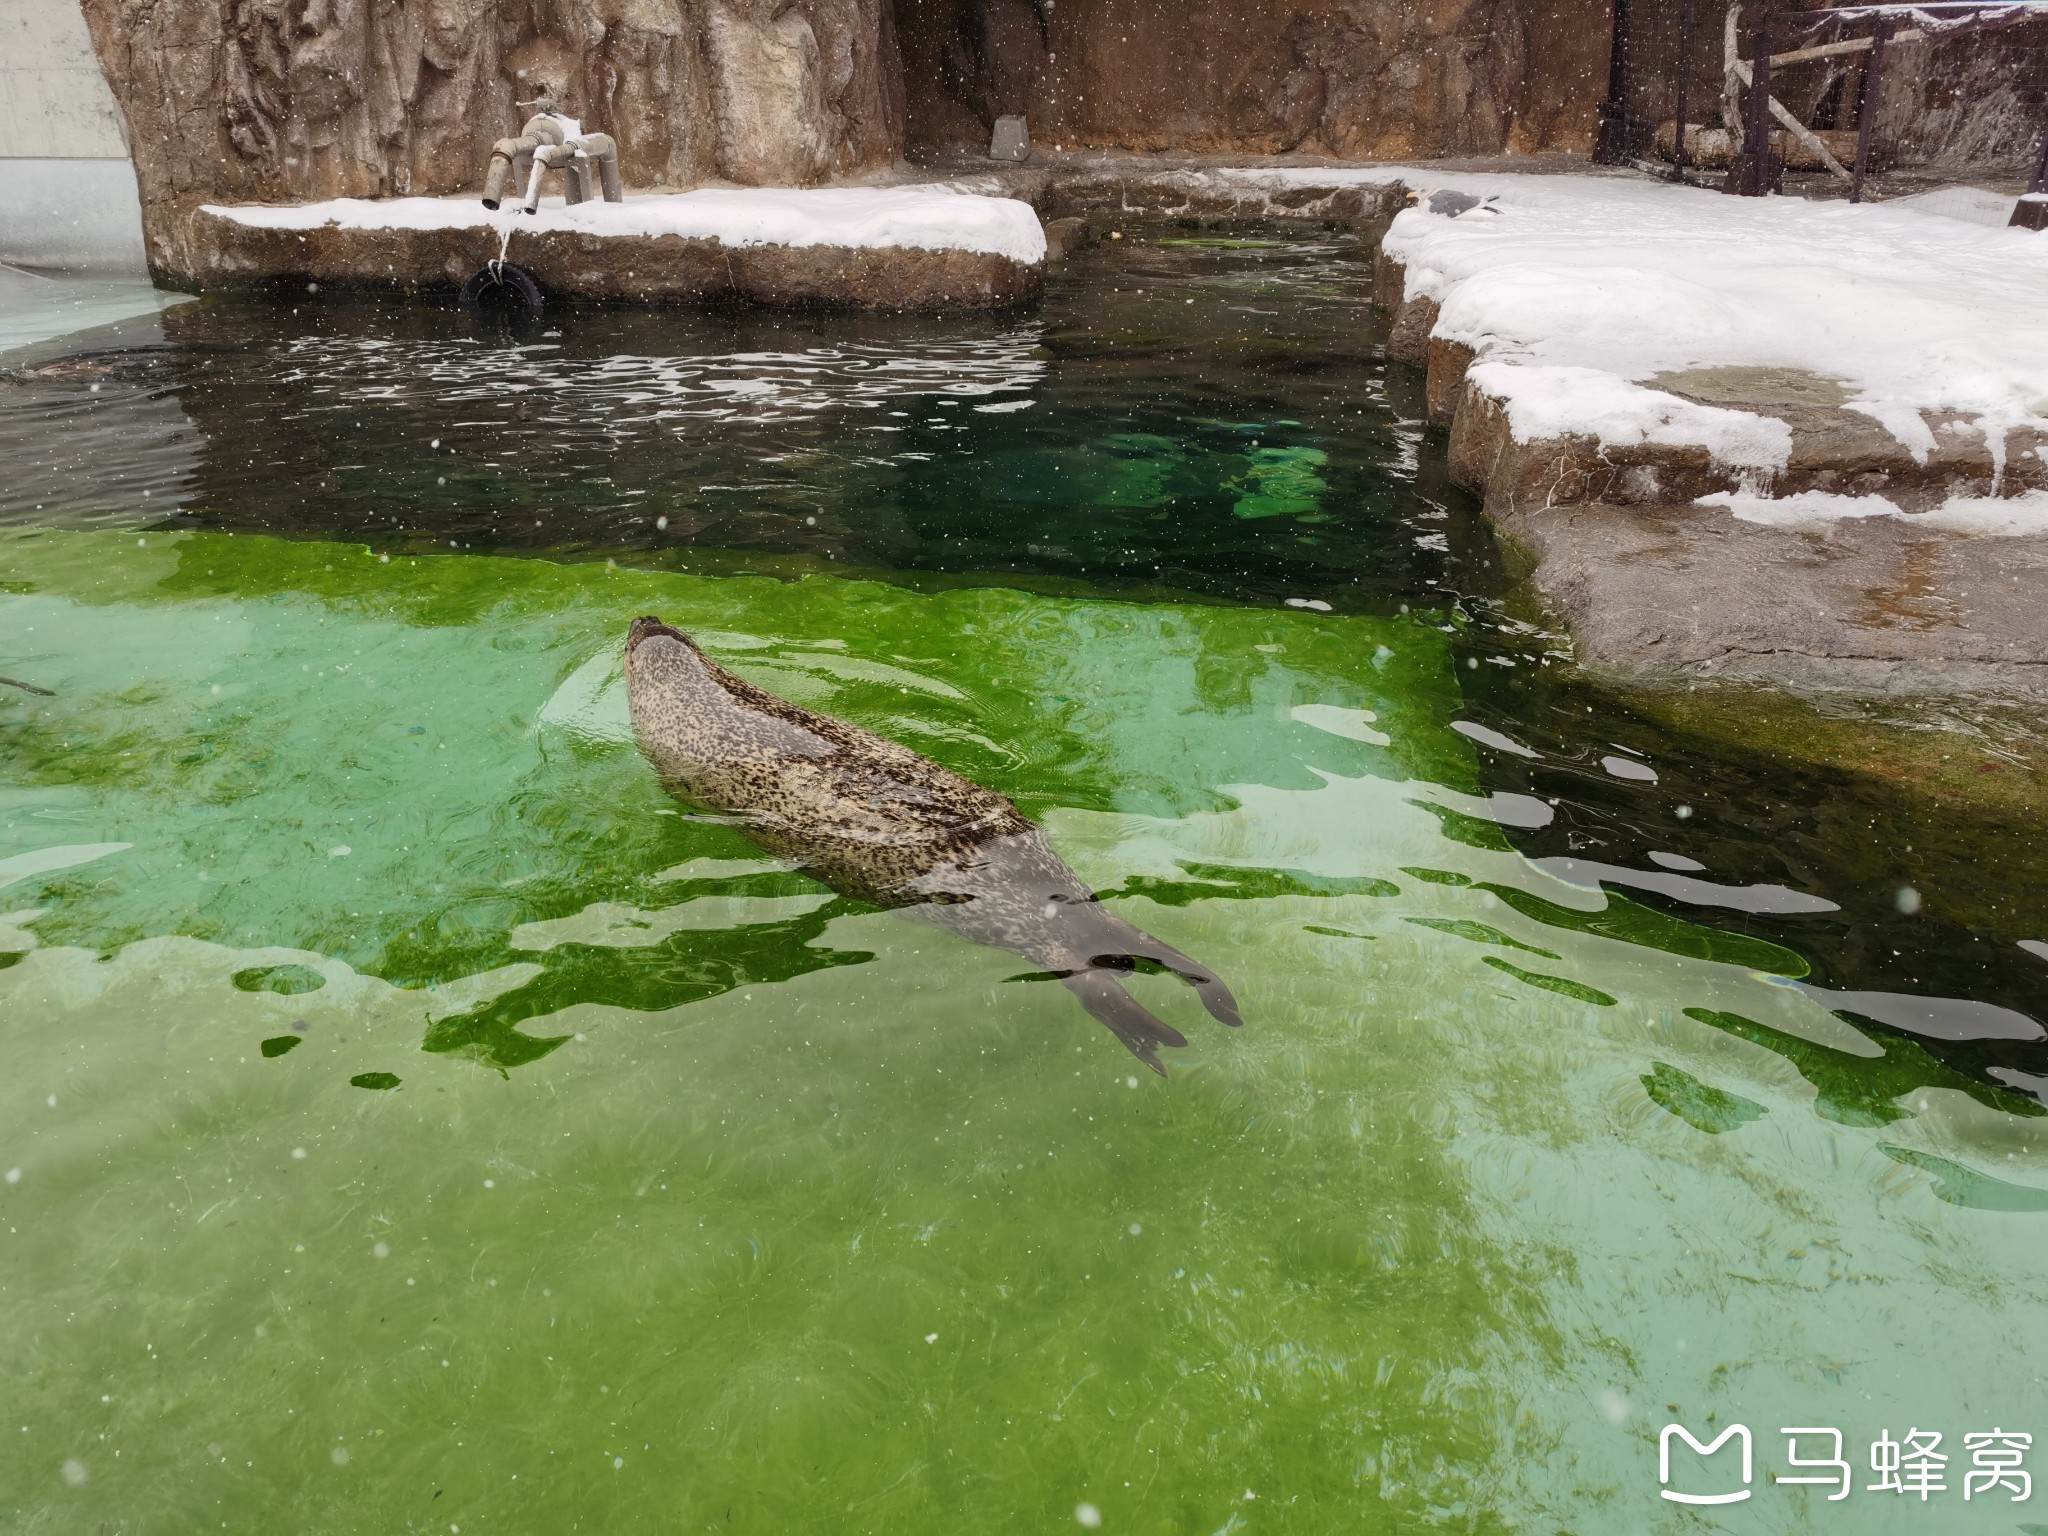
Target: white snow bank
(1998, 515)
(1292, 176)
(1908, 311)
(1973, 205)
(924, 218)
(1544, 400)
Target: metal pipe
(511, 162)
(575, 158)
(509, 157)
(604, 154)
(540, 165)
(1866, 116)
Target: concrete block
(1010, 141)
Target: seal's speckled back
(873, 819)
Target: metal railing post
(2027, 213)
(1684, 85)
(1756, 125)
(1611, 145)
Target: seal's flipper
(1137, 944)
(1103, 996)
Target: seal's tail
(1104, 997)
(1136, 944)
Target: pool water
(416, 1121)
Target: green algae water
(413, 1120)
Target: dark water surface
(421, 1122)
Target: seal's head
(648, 626)
(664, 663)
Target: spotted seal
(877, 821)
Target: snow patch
(2006, 516)
(1973, 205)
(1913, 311)
(1550, 401)
(1294, 176)
(927, 218)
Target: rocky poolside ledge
(961, 234)
(910, 247)
(1781, 441)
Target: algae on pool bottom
(730, 1203)
(706, 1199)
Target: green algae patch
(397, 763)
(1479, 933)
(1633, 923)
(1450, 877)
(286, 980)
(1281, 482)
(1561, 985)
(1461, 827)
(1700, 1106)
(1209, 881)
(1864, 1090)
(1963, 1186)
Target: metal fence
(1850, 99)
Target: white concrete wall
(67, 187)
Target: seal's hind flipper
(1137, 944)
(1104, 997)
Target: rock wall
(1970, 104)
(288, 100)
(292, 100)
(1360, 79)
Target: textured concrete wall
(74, 214)
(54, 102)
(67, 191)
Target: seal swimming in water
(877, 821)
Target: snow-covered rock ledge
(1597, 339)
(905, 247)
(1767, 441)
